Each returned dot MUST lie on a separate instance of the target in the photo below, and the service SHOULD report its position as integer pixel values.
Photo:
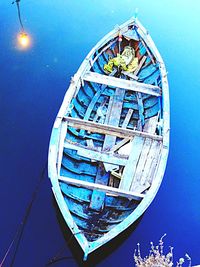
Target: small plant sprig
(156, 257)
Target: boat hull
(109, 144)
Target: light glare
(23, 40)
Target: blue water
(32, 86)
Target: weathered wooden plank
(140, 165)
(155, 163)
(97, 156)
(116, 174)
(101, 111)
(119, 144)
(139, 181)
(129, 170)
(148, 51)
(151, 124)
(107, 129)
(121, 83)
(127, 118)
(141, 111)
(124, 125)
(154, 151)
(140, 65)
(108, 113)
(98, 197)
(90, 143)
(104, 188)
(92, 104)
(130, 75)
(114, 117)
(95, 99)
(141, 188)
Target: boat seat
(122, 83)
(103, 188)
(107, 129)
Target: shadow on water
(77, 253)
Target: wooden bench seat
(107, 129)
(101, 188)
(122, 83)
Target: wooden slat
(148, 51)
(129, 170)
(140, 65)
(121, 83)
(114, 117)
(130, 75)
(97, 156)
(141, 111)
(127, 118)
(109, 109)
(155, 162)
(104, 188)
(141, 163)
(107, 129)
(90, 143)
(103, 175)
(116, 174)
(92, 104)
(141, 188)
(151, 124)
(139, 180)
(153, 153)
(119, 144)
(98, 197)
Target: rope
(57, 257)
(19, 14)
(20, 230)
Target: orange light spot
(23, 40)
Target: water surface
(33, 84)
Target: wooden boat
(110, 140)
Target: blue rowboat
(110, 140)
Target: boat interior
(112, 137)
